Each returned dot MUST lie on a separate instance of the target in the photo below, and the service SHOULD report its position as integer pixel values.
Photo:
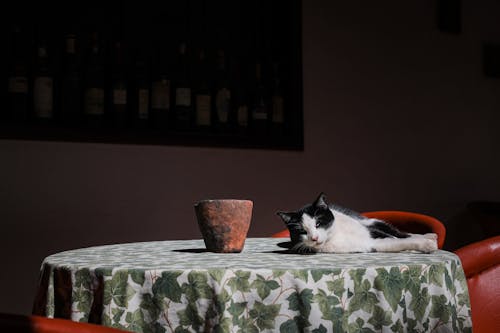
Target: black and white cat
(323, 227)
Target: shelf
(150, 137)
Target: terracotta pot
(224, 223)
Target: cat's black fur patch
(380, 229)
(293, 220)
(347, 211)
(324, 217)
(294, 224)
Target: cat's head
(310, 224)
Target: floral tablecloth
(176, 286)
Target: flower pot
(224, 223)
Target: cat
(324, 227)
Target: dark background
(398, 114)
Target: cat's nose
(314, 238)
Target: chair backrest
(281, 234)
(16, 323)
(481, 264)
(406, 221)
(412, 222)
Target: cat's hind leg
(422, 244)
(430, 235)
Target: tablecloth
(177, 286)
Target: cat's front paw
(427, 245)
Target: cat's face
(310, 224)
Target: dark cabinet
(185, 72)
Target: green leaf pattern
(405, 292)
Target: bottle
(160, 94)
(259, 111)
(222, 93)
(71, 83)
(242, 109)
(94, 85)
(183, 96)
(277, 104)
(141, 94)
(119, 87)
(18, 82)
(241, 102)
(43, 86)
(203, 98)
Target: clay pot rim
(220, 200)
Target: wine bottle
(43, 85)
(203, 98)
(183, 96)
(241, 101)
(222, 93)
(160, 93)
(242, 109)
(71, 82)
(277, 106)
(94, 85)
(119, 100)
(260, 110)
(18, 82)
(141, 93)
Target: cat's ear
(321, 201)
(286, 217)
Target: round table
(177, 286)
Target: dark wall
(397, 115)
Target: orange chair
(481, 264)
(282, 234)
(406, 221)
(15, 323)
(412, 222)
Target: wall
(397, 116)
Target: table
(176, 286)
